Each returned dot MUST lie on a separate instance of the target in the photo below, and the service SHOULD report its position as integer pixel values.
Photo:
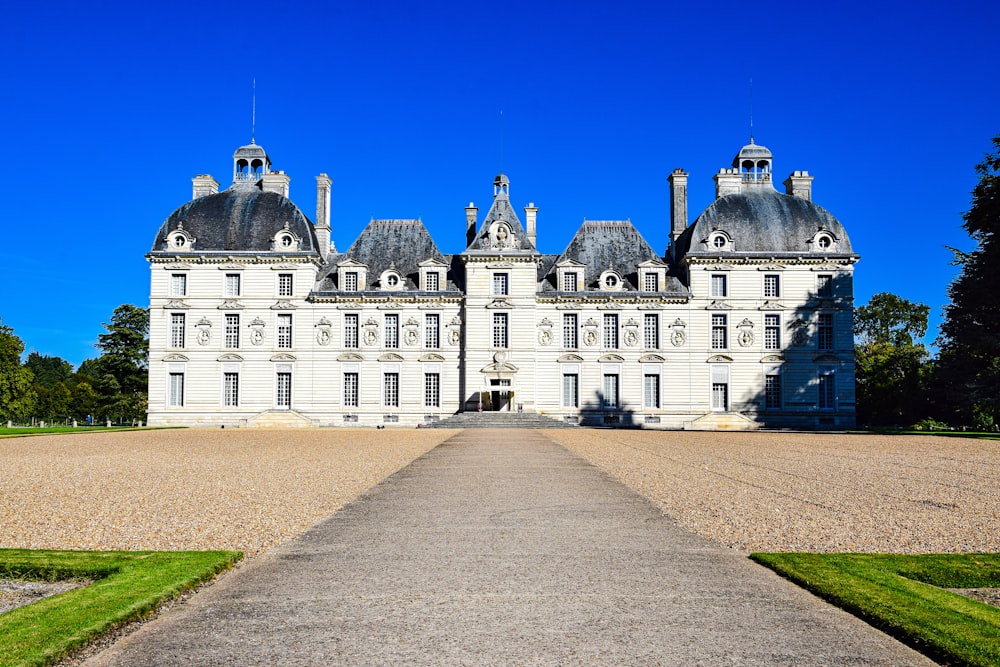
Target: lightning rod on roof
(751, 110)
(253, 111)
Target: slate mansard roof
(239, 220)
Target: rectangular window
(651, 331)
(610, 331)
(285, 331)
(390, 390)
(350, 390)
(501, 284)
(392, 331)
(611, 390)
(231, 389)
(719, 332)
(720, 396)
(432, 390)
(650, 283)
(570, 282)
(432, 331)
(824, 285)
(772, 391)
(772, 285)
(570, 331)
(433, 281)
(772, 332)
(284, 284)
(177, 330)
(232, 284)
(232, 336)
(824, 333)
(571, 390)
(827, 391)
(178, 284)
(719, 284)
(651, 391)
(500, 330)
(283, 390)
(350, 281)
(176, 397)
(351, 331)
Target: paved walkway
(502, 548)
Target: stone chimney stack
(530, 216)
(728, 182)
(323, 183)
(799, 184)
(204, 185)
(471, 212)
(678, 203)
(275, 181)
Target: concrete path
(502, 548)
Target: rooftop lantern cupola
(501, 187)
(754, 164)
(250, 163)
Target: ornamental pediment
(772, 305)
(827, 359)
(433, 261)
(499, 303)
(502, 367)
(350, 356)
(177, 266)
(771, 267)
(431, 356)
(772, 359)
(611, 305)
(611, 358)
(720, 359)
(570, 358)
(651, 359)
(175, 304)
(229, 357)
(390, 305)
(175, 357)
(350, 305)
(390, 356)
(230, 304)
(718, 305)
(283, 357)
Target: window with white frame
(570, 331)
(827, 389)
(390, 390)
(500, 322)
(285, 330)
(177, 330)
(175, 395)
(392, 330)
(350, 390)
(720, 332)
(650, 282)
(283, 390)
(433, 281)
(651, 331)
(432, 390)
(824, 332)
(350, 281)
(351, 331)
(178, 284)
(610, 331)
(284, 284)
(570, 281)
(772, 332)
(571, 390)
(772, 390)
(501, 284)
(720, 387)
(432, 331)
(719, 286)
(824, 285)
(232, 333)
(651, 390)
(232, 286)
(231, 389)
(610, 387)
(772, 285)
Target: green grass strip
(128, 585)
(904, 596)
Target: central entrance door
(500, 395)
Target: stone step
(500, 420)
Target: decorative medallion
(745, 338)
(678, 338)
(590, 338)
(545, 337)
(257, 331)
(631, 338)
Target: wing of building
(745, 321)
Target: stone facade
(745, 321)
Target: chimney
(204, 185)
(727, 182)
(275, 181)
(678, 203)
(470, 223)
(530, 215)
(323, 183)
(799, 184)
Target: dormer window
(719, 241)
(179, 239)
(570, 282)
(351, 281)
(391, 279)
(610, 281)
(823, 241)
(285, 239)
(433, 283)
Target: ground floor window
(611, 391)
(772, 391)
(651, 391)
(283, 390)
(231, 389)
(432, 390)
(175, 398)
(571, 390)
(827, 390)
(390, 390)
(350, 390)
(720, 396)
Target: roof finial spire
(253, 111)
(751, 110)
(501, 141)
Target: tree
(48, 370)
(969, 362)
(17, 399)
(889, 365)
(119, 374)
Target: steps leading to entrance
(499, 420)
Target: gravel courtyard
(249, 489)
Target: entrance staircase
(499, 420)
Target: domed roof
(501, 179)
(752, 152)
(251, 150)
(239, 220)
(765, 222)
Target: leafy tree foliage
(116, 381)
(48, 370)
(890, 366)
(969, 362)
(17, 399)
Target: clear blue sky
(108, 112)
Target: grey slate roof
(600, 244)
(763, 222)
(238, 220)
(501, 209)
